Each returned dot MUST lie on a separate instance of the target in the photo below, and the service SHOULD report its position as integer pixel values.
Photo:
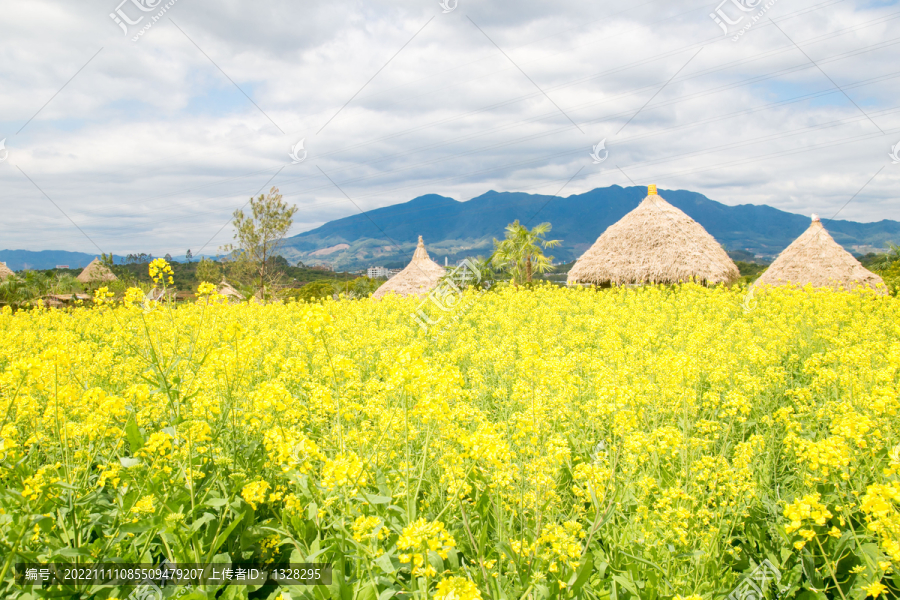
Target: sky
(142, 125)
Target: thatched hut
(159, 295)
(815, 258)
(419, 277)
(654, 243)
(5, 271)
(63, 300)
(226, 289)
(96, 272)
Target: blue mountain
(457, 229)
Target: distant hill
(18, 260)
(456, 229)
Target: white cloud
(150, 147)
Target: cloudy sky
(147, 142)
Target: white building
(378, 272)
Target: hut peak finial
(421, 253)
(815, 218)
(651, 190)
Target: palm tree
(522, 252)
(14, 292)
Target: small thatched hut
(419, 277)
(5, 271)
(815, 258)
(96, 272)
(225, 289)
(654, 243)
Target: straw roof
(5, 271)
(419, 277)
(815, 258)
(94, 272)
(654, 243)
(158, 295)
(225, 289)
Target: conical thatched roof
(5, 271)
(419, 277)
(654, 243)
(95, 272)
(225, 289)
(816, 258)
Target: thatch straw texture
(419, 277)
(5, 271)
(815, 258)
(654, 243)
(225, 289)
(96, 272)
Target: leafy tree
(208, 271)
(361, 287)
(65, 284)
(168, 258)
(259, 234)
(522, 252)
(888, 266)
(188, 256)
(123, 274)
(317, 290)
(885, 261)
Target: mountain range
(453, 229)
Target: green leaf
(583, 575)
(206, 518)
(128, 462)
(220, 539)
(436, 561)
(627, 584)
(453, 559)
(385, 563)
(216, 502)
(388, 593)
(367, 592)
(72, 552)
(133, 434)
(373, 499)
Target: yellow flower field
(550, 443)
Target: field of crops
(549, 443)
